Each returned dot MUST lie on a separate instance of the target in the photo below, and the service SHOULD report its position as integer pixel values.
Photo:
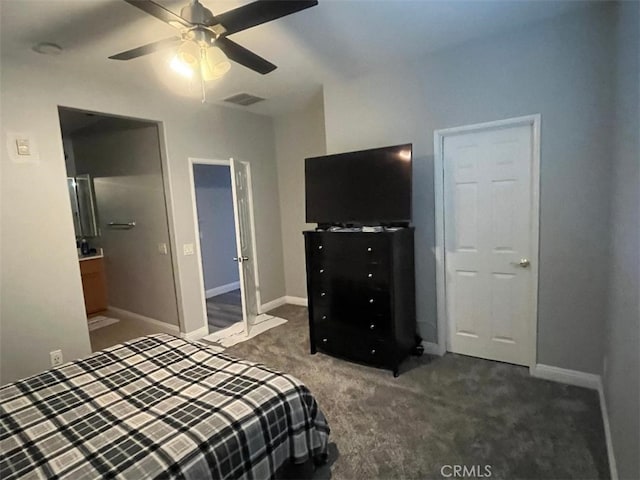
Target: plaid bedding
(157, 407)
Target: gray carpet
(224, 310)
(440, 411)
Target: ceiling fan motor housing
(196, 14)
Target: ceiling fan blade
(146, 49)
(260, 12)
(244, 57)
(158, 11)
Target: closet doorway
(225, 243)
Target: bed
(158, 407)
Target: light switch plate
(162, 249)
(22, 147)
(188, 248)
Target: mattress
(158, 407)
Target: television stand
(361, 290)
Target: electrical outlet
(56, 358)
(188, 248)
(162, 249)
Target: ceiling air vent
(244, 99)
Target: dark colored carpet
(453, 410)
(224, 310)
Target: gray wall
(560, 69)
(127, 175)
(217, 228)
(299, 135)
(622, 370)
(41, 302)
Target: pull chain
(203, 58)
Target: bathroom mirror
(83, 206)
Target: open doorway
(218, 245)
(220, 299)
(117, 193)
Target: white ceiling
(335, 39)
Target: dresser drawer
(346, 302)
(339, 247)
(352, 343)
(369, 275)
(366, 323)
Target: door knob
(524, 263)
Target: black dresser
(361, 290)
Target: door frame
(192, 186)
(166, 175)
(442, 319)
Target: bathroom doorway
(117, 193)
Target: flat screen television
(369, 187)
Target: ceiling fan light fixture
(214, 64)
(186, 60)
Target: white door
(488, 210)
(240, 187)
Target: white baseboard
(273, 304)
(586, 380)
(564, 375)
(195, 334)
(303, 302)
(433, 348)
(127, 315)
(229, 287)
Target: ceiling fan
(200, 30)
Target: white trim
(194, 207)
(239, 252)
(272, 304)
(229, 287)
(564, 375)
(127, 315)
(586, 380)
(195, 334)
(613, 468)
(440, 253)
(301, 301)
(254, 242)
(434, 348)
(171, 224)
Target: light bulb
(214, 65)
(186, 60)
(180, 67)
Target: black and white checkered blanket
(157, 407)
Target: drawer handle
(373, 352)
(322, 270)
(320, 247)
(322, 294)
(324, 317)
(369, 249)
(371, 300)
(370, 275)
(372, 326)
(324, 340)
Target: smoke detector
(47, 48)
